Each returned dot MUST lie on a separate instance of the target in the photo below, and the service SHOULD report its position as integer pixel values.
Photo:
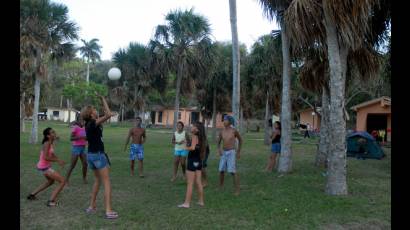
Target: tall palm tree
(235, 61)
(177, 40)
(341, 26)
(275, 9)
(90, 50)
(44, 28)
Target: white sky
(116, 23)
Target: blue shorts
(181, 153)
(136, 151)
(228, 161)
(96, 160)
(275, 148)
(78, 149)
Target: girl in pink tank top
(44, 166)
(79, 141)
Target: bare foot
(173, 179)
(200, 204)
(141, 176)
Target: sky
(116, 23)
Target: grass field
(294, 201)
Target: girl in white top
(180, 140)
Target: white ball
(114, 74)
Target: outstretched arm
(219, 143)
(144, 137)
(238, 153)
(107, 111)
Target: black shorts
(194, 164)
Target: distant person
(180, 139)
(228, 153)
(196, 155)
(307, 130)
(79, 142)
(138, 136)
(47, 156)
(97, 159)
(275, 147)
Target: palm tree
(176, 42)
(44, 28)
(341, 26)
(90, 50)
(275, 9)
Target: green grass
(150, 203)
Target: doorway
(377, 122)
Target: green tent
(363, 145)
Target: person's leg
(132, 167)
(176, 163)
(105, 178)
(42, 187)
(183, 166)
(231, 165)
(222, 169)
(60, 179)
(96, 188)
(198, 180)
(221, 179)
(141, 167)
(83, 159)
(74, 159)
(188, 196)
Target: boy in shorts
(229, 155)
(136, 149)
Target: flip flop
(90, 210)
(51, 203)
(182, 206)
(111, 215)
(31, 197)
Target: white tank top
(178, 138)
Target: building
(61, 114)
(164, 116)
(308, 116)
(374, 115)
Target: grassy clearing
(295, 201)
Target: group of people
(191, 152)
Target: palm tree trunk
(22, 113)
(266, 140)
(88, 72)
(34, 128)
(69, 112)
(122, 112)
(321, 156)
(214, 115)
(143, 115)
(235, 61)
(285, 159)
(336, 179)
(61, 101)
(241, 122)
(178, 90)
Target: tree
(90, 50)
(176, 42)
(272, 9)
(235, 62)
(44, 28)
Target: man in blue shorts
(137, 149)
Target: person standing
(138, 136)
(79, 142)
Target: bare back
(137, 135)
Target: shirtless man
(136, 150)
(229, 155)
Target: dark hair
(201, 139)
(46, 132)
(277, 122)
(182, 123)
(86, 113)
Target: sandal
(31, 197)
(51, 203)
(90, 210)
(183, 206)
(200, 204)
(111, 215)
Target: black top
(94, 137)
(276, 139)
(195, 154)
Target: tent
(363, 145)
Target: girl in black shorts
(194, 167)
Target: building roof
(384, 101)
(161, 108)
(318, 109)
(57, 108)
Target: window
(160, 116)
(56, 113)
(223, 116)
(179, 115)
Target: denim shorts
(275, 148)
(137, 151)
(228, 161)
(97, 160)
(78, 149)
(181, 153)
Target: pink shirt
(43, 163)
(77, 131)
